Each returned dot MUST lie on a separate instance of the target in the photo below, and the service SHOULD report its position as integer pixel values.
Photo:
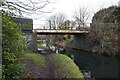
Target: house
(26, 26)
(75, 25)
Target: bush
(43, 47)
(13, 47)
(109, 43)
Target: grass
(43, 47)
(38, 59)
(66, 68)
(0, 70)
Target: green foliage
(66, 68)
(0, 70)
(13, 71)
(43, 47)
(107, 15)
(13, 47)
(37, 58)
(117, 14)
(108, 46)
(0, 42)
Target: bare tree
(57, 21)
(81, 16)
(26, 6)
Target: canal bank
(99, 66)
(49, 65)
(94, 65)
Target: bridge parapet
(47, 31)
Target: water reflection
(99, 66)
(72, 57)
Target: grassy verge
(43, 47)
(0, 70)
(66, 68)
(38, 59)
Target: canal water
(93, 66)
(99, 66)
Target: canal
(98, 66)
(93, 66)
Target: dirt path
(50, 68)
(39, 72)
(34, 71)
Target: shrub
(109, 43)
(13, 47)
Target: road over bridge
(48, 31)
(79, 36)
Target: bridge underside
(48, 32)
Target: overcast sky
(69, 6)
